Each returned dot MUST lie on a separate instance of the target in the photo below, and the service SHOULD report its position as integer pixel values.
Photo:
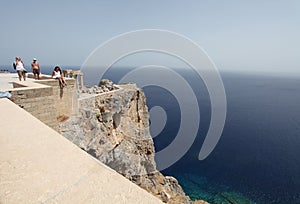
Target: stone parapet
(65, 100)
(45, 100)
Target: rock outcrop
(113, 126)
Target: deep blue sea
(258, 156)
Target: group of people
(36, 70)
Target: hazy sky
(241, 35)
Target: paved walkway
(6, 80)
(38, 165)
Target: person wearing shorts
(35, 69)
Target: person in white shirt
(56, 74)
(20, 68)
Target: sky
(249, 35)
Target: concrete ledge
(37, 165)
(44, 98)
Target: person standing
(20, 68)
(36, 70)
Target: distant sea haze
(257, 156)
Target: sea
(257, 159)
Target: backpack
(14, 65)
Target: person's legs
(19, 74)
(36, 74)
(24, 75)
(63, 79)
(59, 81)
(61, 84)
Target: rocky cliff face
(113, 126)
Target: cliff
(113, 126)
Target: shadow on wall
(61, 93)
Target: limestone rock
(200, 202)
(113, 126)
(105, 85)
